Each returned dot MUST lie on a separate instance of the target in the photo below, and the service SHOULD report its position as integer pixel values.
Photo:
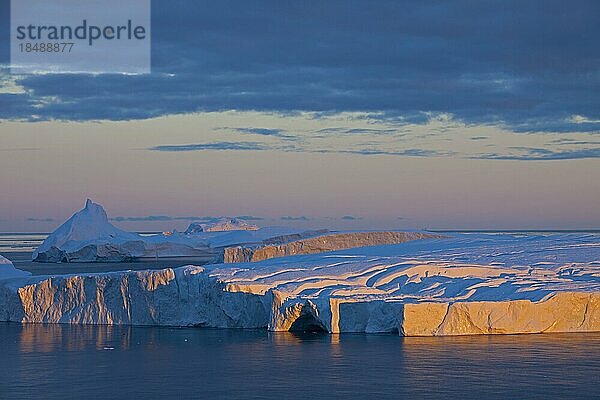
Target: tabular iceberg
(314, 242)
(224, 224)
(464, 284)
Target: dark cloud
(4, 31)
(369, 151)
(532, 154)
(261, 131)
(40, 219)
(405, 153)
(350, 218)
(291, 218)
(212, 146)
(280, 133)
(574, 142)
(526, 65)
(355, 131)
(479, 138)
(524, 153)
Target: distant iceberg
(224, 224)
(88, 236)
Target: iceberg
(8, 270)
(457, 285)
(313, 242)
(88, 236)
(224, 224)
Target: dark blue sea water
(91, 362)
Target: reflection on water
(64, 361)
(42, 338)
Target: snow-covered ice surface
(510, 261)
(463, 284)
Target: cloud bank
(528, 66)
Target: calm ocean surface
(84, 362)
(98, 362)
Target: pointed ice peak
(85, 226)
(92, 210)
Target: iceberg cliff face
(181, 297)
(304, 244)
(468, 284)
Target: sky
(349, 114)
